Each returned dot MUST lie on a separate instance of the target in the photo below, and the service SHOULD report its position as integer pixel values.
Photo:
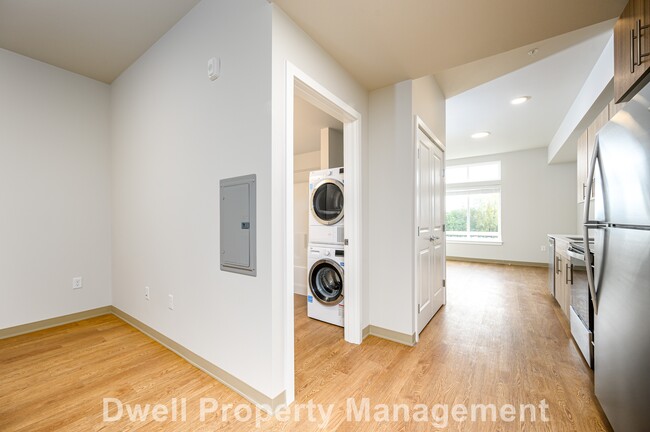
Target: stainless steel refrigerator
(620, 283)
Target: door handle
(589, 258)
(569, 271)
(434, 238)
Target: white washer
(326, 274)
(326, 197)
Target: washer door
(327, 201)
(326, 281)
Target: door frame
(419, 125)
(299, 83)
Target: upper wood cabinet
(632, 50)
(586, 144)
(583, 166)
(593, 129)
(615, 107)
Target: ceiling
(462, 78)
(472, 47)
(98, 39)
(553, 83)
(308, 121)
(381, 42)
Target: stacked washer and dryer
(325, 254)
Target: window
(474, 202)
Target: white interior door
(430, 260)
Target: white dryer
(326, 198)
(326, 274)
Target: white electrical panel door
(237, 225)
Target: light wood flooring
(499, 340)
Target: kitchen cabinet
(563, 276)
(632, 50)
(600, 121)
(615, 107)
(583, 166)
(585, 147)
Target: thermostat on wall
(214, 68)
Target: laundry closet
(319, 178)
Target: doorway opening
(302, 88)
(318, 218)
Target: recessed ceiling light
(479, 135)
(519, 100)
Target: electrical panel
(238, 225)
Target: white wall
(429, 104)
(175, 135)
(391, 215)
(291, 44)
(331, 148)
(392, 195)
(536, 199)
(596, 92)
(54, 191)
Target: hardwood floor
(498, 341)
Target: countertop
(567, 237)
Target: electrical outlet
(146, 293)
(543, 248)
(170, 302)
(77, 283)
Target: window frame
(468, 166)
(475, 187)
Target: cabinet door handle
(558, 267)
(569, 270)
(584, 187)
(632, 58)
(638, 42)
(635, 34)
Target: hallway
(498, 341)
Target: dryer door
(327, 201)
(326, 281)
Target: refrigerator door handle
(589, 257)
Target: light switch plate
(214, 68)
(77, 282)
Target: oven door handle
(576, 255)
